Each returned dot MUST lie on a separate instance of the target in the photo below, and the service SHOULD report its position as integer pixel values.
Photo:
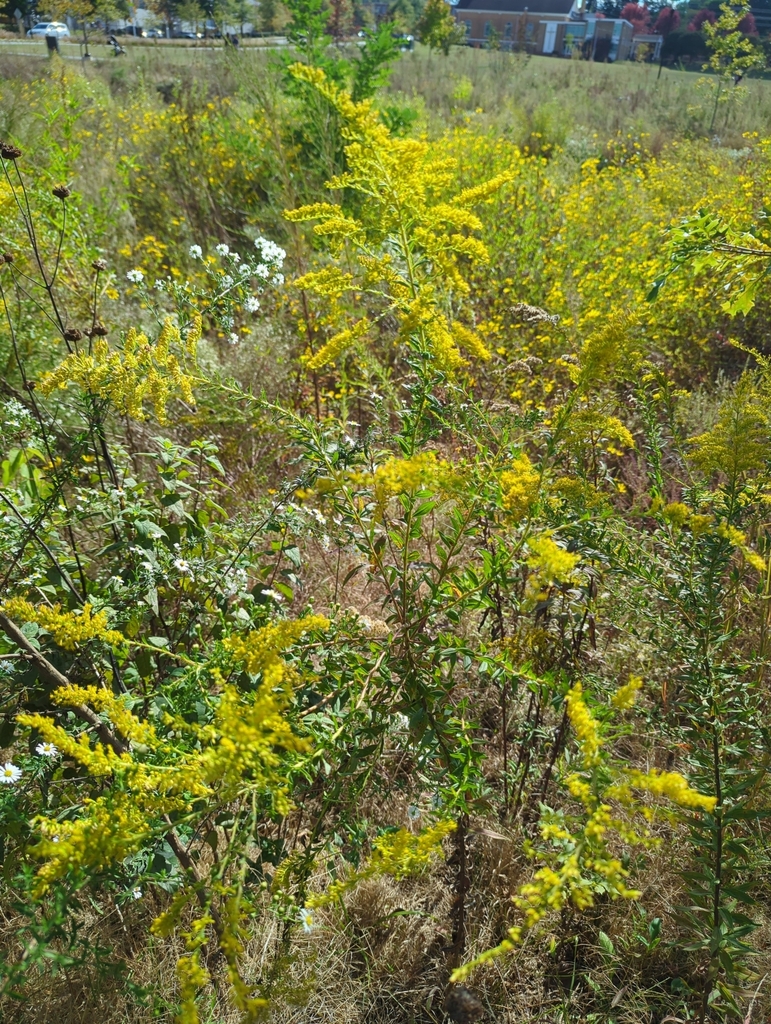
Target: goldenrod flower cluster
(397, 854)
(404, 476)
(67, 629)
(585, 726)
(259, 651)
(673, 786)
(408, 203)
(142, 372)
(520, 486)
(239, 751)
(625, 695)
(552, 564)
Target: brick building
(515, 24)
(559, 27)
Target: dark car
(154, 33)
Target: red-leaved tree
(700, 18)
(747, 25)
(638, 16)
(667, 21)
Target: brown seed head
(8, 257)
(97, 331)
(99, 265)
(9, 152)
(61, 192)
(73, 334)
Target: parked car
(155, 33)
(403, 41)
(50, 28)
(187, 35)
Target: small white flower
(54, 839)
(47, 750)
(233, 339)
(227, 280)
(235, 257)
(306, 919)
(184, 567)
(252, 304)
(137, 893)
(196, 252)
(136, 276)
(222, 249)
(278, 280)
(262, 271)
(274, 595)
(413, 812)
(270, 251)
(244, 270)
(9, 774)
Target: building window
(488, 29)
(529, 29)
(507, 30)
(467, 27)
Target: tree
(340, 19)
(667, 21)
(373, 67)
(639, 16)
(732, 54)
(191, 13)
(437, 27)
(705, 16)
(166, 10)
(268, 11)
(747, 25)
(86, 12)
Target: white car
(50, 28)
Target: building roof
(561, 7)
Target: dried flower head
(533, 314)
(8, 257)
(61, 191)
(73, 334)
(99, 265)
(9, 152)
(98, 330)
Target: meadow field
(385, 565)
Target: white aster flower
(235, 257)
(306, 919)
(274, 595)
(278, 280)
(233, 339)
(222, 249)
(196, 252)
(262, 271)
(182, 566)
(136, 893)
(269, 250)
(9, 774)
(136, 276)
(227, 280)
(47, 750)
(252, 304)
(244, 270)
